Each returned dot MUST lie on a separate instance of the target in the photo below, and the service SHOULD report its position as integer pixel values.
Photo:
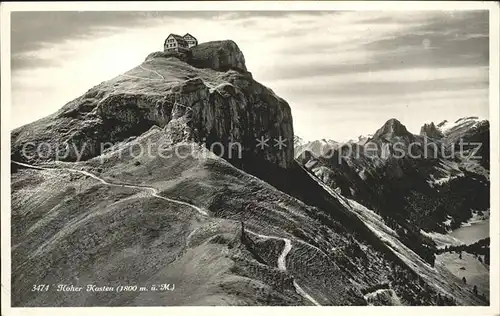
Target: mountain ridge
(391, 128)
(411, 191)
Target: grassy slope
(103, 235)
(476, 273)
(79, 231)
(207, 182)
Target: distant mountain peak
(430, 130)
(442, 123)
(298, 141)
(393, 122)
(390, 129)
(329, 141)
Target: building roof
(187, 34)
(177, 37)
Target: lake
(470, 234)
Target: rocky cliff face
(222, 104)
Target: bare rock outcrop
(430, 130)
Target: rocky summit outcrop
(430, 130)
(210, 88)
(464, 138)
(219, 55)
(392, 129)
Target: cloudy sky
(343, 73)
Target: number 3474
(40, 287)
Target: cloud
(348, 116)
(395, 76)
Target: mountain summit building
(191, 40)
(177, 43)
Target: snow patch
(446, 127)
